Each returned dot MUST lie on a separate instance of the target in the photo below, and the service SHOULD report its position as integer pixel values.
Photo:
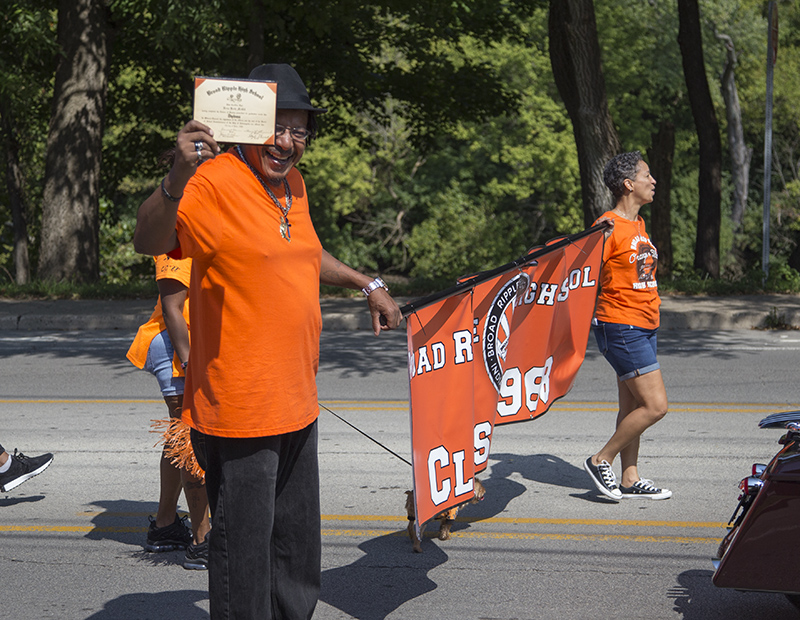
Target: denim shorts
(159, 364)
(630, 350)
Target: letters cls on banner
(440, 371)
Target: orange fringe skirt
(177, 445)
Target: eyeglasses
(299, 134)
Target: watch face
(374, 285)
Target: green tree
(647, 99)
(515, 175)
(70, 202)
(27, 29)
(577, 68)
(690, 39)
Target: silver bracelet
(373, 286)
(167, 195)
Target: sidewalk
(677, 312)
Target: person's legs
(240, 482)
(159, 364)
(194, 488)
(296, 538)
(629, 455)
(169, 483)
(643, 402)
(264, 555)
(167, 531)
(631, 351)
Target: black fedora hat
(292, 93)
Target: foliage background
(446, 149)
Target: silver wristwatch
(375, 284)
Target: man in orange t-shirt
(243, 217)
(625, 325)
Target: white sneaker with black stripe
(644, 489)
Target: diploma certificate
(239, 111)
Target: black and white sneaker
(23, 468)
(603, 478)
(644, 489)
(176, 535)
(196, 557)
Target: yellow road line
(72, 528)
(536, 521)
(505, 520)
(532, 536)
(626, 523)
(353, 533)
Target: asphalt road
(542, 545)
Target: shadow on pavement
(147, 606)
(361, 354)
(388, 567)
(697, 598)
(548, 469)
(500, 491)
(13, 501)
(542, 468)
(124, 521)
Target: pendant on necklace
(284, 228)
(284, 222)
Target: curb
(350, 314)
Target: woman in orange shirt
(161, 347)
(625, 326)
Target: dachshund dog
(446, 517)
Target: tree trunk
(661, 155)
(255, 33)
(575, 58)
(15, 182)
(741, 154)
(706, 251)
(70, 204)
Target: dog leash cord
(365, 435)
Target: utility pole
(772, 56)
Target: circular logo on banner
(497, 327)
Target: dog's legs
(416, 543)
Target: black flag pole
(468, 282)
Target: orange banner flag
(499, 347)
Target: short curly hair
(618, 169)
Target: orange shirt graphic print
(646, 259)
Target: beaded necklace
(284, 225)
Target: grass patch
(776, 320)
(782, 279)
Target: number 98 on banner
(529, 389)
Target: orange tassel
(177, 445)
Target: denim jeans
(265, 544)
(159, 364)
(630, 350)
